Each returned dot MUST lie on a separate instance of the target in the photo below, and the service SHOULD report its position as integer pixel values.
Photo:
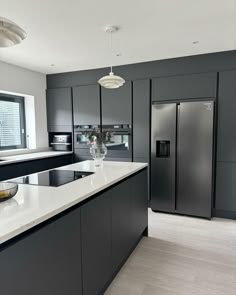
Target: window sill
(15, 152)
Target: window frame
(21, 101)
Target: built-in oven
(83, 135)
(118, 140)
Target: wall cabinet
(86, 105)
(47, 261)
(59, 110)
(117, 105)
(185, 87)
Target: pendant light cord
(111, 49)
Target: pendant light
(10, 33)
(111, 81)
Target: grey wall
(214, 62)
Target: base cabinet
(139, 203)
(47, 261)
(96, 244)
(14, 170)
(79, 252)
(121, 223)
(129, 216)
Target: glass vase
(98, 152)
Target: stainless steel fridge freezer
(182, 157)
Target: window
(12, 122)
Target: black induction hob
(52, 177)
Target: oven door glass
(118, 142)
(82, 140)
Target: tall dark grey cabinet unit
(141, 120)
(59, 110)
(86, 113)
(182, 157)
(86, 103)
(117, 105)
(225, 203)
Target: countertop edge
(51, 155)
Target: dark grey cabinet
(27, 167)
(141, 119)
(203, 85)
(226, 135)
(46, 261)
(81, 250)
(226, 144)
(121, 223)
(139, 201)
(117, 105)
(96, 244)
(86, 105)
(59, 110)
(129, 216)
(225, 186)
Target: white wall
(26, 82)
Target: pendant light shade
(10, 33)
(111, 81)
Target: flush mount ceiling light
(10, 33)
(111, 81)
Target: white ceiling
(69, 33)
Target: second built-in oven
(118, 140)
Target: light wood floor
(181, 256)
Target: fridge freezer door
(194, 158)
(163, 147)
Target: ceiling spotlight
(10, 33)
(111, 81)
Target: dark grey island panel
(129, 216)
(81, 250)
(96, 243)
(46, 261)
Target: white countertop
(31, 156)
(35, 204)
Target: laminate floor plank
(182, 256)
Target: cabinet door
(226, 136)
(59, 110)
(202, 85)
(47, 261)
(86, 105)
(141, 119)
(121, 223)
(96, 244)
(225, 186)
(116, 105)
(139, 203)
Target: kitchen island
(73, 239)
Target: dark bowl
(7, 190)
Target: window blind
(10, 124)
